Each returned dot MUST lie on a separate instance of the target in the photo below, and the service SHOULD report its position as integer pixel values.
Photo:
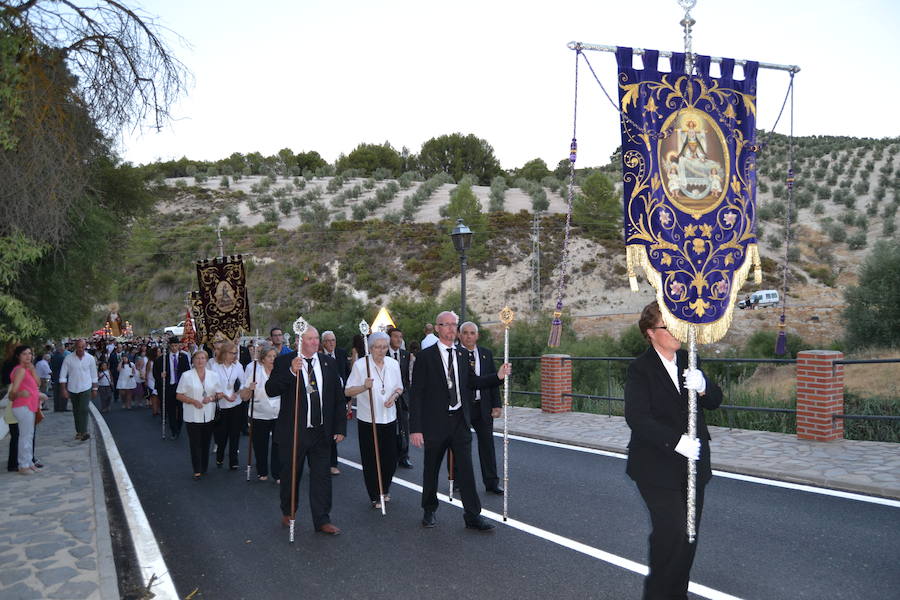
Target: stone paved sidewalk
(855, 466)
(54, 531)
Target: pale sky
(326, 75)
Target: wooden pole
(374, 432)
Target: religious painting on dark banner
(688, 161)
(223, 297)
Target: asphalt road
(222, 538)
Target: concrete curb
(106, 565)
(153, 567)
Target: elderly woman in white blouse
(228, 428)
(199, 389)
(386, 385)
(264, 410)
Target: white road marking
(613, 559)
(748, 478)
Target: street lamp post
(462, 241)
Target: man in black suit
(486, 405)
(440, 417)
(396, 352)
(169, 367)
(329, 347)
(310, 379)
(656, 409)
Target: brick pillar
(820, 394)
(556, 380)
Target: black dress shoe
(429, 520)
(405, 463)
(479, 523)
(496, 490)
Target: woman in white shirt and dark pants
(228, 429)
(386, 385)
(199, 389)
(265, 413)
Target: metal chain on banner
(556, 326)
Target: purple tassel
(781, 342)
(556, 327)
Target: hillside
(314, 240)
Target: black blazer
(404, 374)
(283, 383)
(429, 396)
(490, 397)
(657, 414)
(184, 365)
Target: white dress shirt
(191, 386)
(474, 352)
(43, 369)
(428, 340)
(79, 374)
(228, 375)
(445, 356)
(384, 382)
(317, 369)
(671, 368)
(264, 407)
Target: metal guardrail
(609, 398)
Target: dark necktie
(396, 355)
(472, 368)
(451, 378)
(315, 401)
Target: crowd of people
(295, 405)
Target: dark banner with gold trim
(688, 161)
(196, 307)
(223, 297)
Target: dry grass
(876, 380)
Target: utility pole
(536, 263)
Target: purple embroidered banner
(688, 162)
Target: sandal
(376, 504)
(262, 477)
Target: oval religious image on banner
(693, 161)
(225, 296)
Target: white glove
(688, 447)
(694, 380)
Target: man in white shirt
(430, 339)
(43, 372)
(78, 382)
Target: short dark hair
(650, 316)
(391, 330)
(274, 329)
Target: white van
(760, 299)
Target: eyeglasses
(447, 325)
(660, 327)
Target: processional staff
(300, 327)
(364, 330)
(165, 381)
(506, 317)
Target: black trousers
(670, 554)
(199, 435)
(59, 403)
(487, 456)
(174, 411)
(228, 431)
(402, 430)
(387, 450)
(455, 436)
(314, 447)
(262, 433)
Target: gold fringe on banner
(707, 333)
